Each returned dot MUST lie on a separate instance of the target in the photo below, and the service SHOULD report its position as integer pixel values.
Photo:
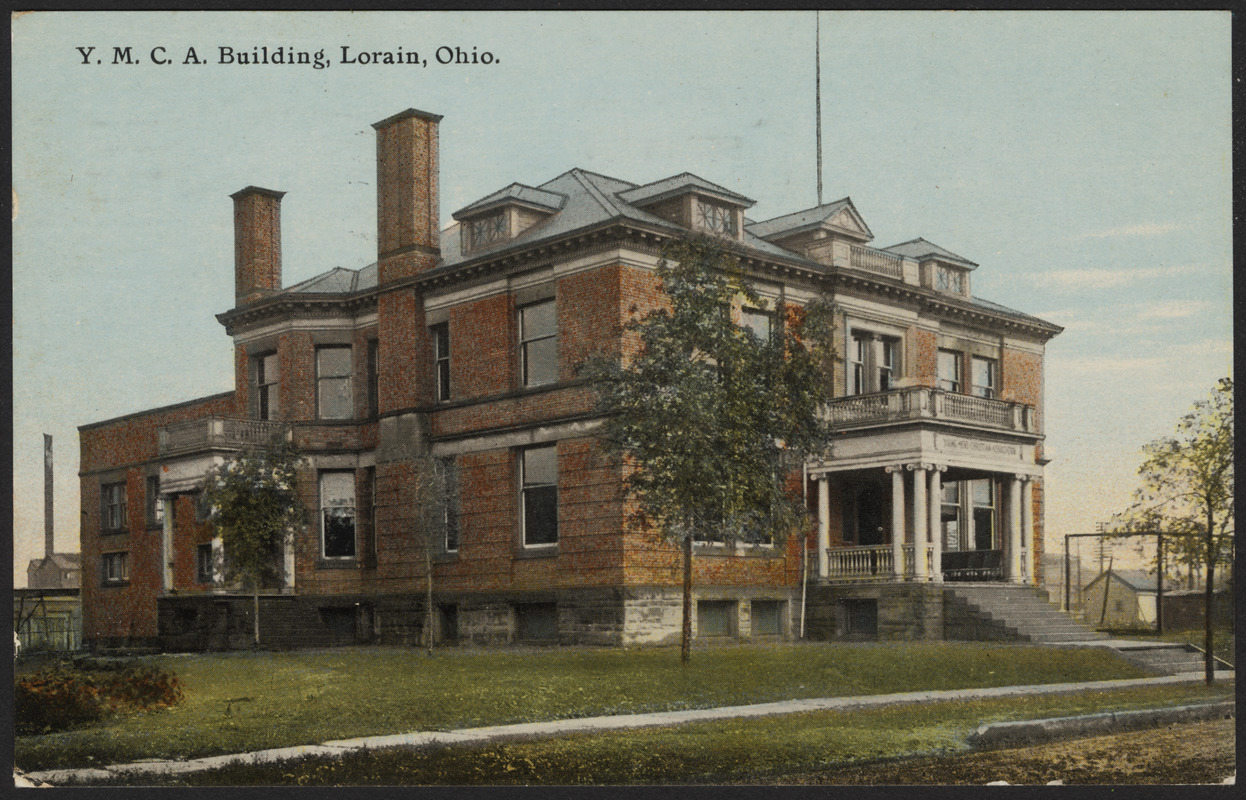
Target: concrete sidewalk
(591, 724)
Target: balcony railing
(917, 403)
(215, 433)
(877, 261)
(874, 563)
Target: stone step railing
(922, 402)
(215, 433)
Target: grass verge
(731, 751)
(235, 702)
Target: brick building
(462, 345)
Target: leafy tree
(434, 515)
(254, 507)
(710, 416)
(1187, 492)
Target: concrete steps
(1005, 612)
(1165, 659)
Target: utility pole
(817, 92)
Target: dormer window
(487, 230)
(948, 279)
(716, 218)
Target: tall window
(873, 363)
(267, 380)
(949, 367)
(538, 467)
(716, 218)
(204, 563)
(983, 494)
(333, 383)
(950, 515)
(538, 337)
(983, 375)
(115, 567)
(449, 473)
(374, 378)
(441, 359)
(337, 514)
(758, 321)
(155, 508)
(112, 507)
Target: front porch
(877, 563)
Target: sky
(1082, 159)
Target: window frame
(956, 385)
(486, 229)
(525, 488)
(322, 508)
(747, 312)
(372, 367)
(990, 390)
(525, 341)
(874, 359)
(949, 279)
(200, 575)
(323, 380)
(153, 505)
(440, 336)
(109, 504)
(111, 559)
(715, 217)
(267, 388)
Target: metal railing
(921, 402)
(215, 433)
(877, 261)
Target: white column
(166, 541)
(897, 520)
(1027, 528)
(824, 525)
(1014, 530)
(287, 557)
(920, 513)
(936, 523)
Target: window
(115, 567)
(374, 378)
(538, 337)
(983, 376)
(155, 508)
(948, 279)
(950, 516)
(441, 359)
(983, 495)
(337, 514)
(267, 378)
(450, 497)
(715, 617)
(204, 564)
(536, 622)
(486, 230)
(949, 366)
(767, 617)
(333, 384)
(716, 218)
(757, 321)
(112, 507)
(539, 500)
(873, 363)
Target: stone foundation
(875, 612)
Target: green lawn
(729, 751)
(236, 702)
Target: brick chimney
(407, 230)
(257, 243)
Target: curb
(1027, 732)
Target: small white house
(1121, 599)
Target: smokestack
(48, 547)
(257, 243)
(408, 236)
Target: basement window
(767, 617)
(715, 617)
(536, 622)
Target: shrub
(60, 696)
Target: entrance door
(870, 514)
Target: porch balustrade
(871, 563)
(214, 433)
(922, 402)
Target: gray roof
(809, 218)
(681, 184)
(515, 193)
(589, 199)
(919, 250)
(1136, 579)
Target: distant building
(1121, 599)
(462, 344)
(55, 571)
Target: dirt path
(1202, 752)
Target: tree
(1187, 492)
(254, 507)
(435, 520)
(710, 416)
